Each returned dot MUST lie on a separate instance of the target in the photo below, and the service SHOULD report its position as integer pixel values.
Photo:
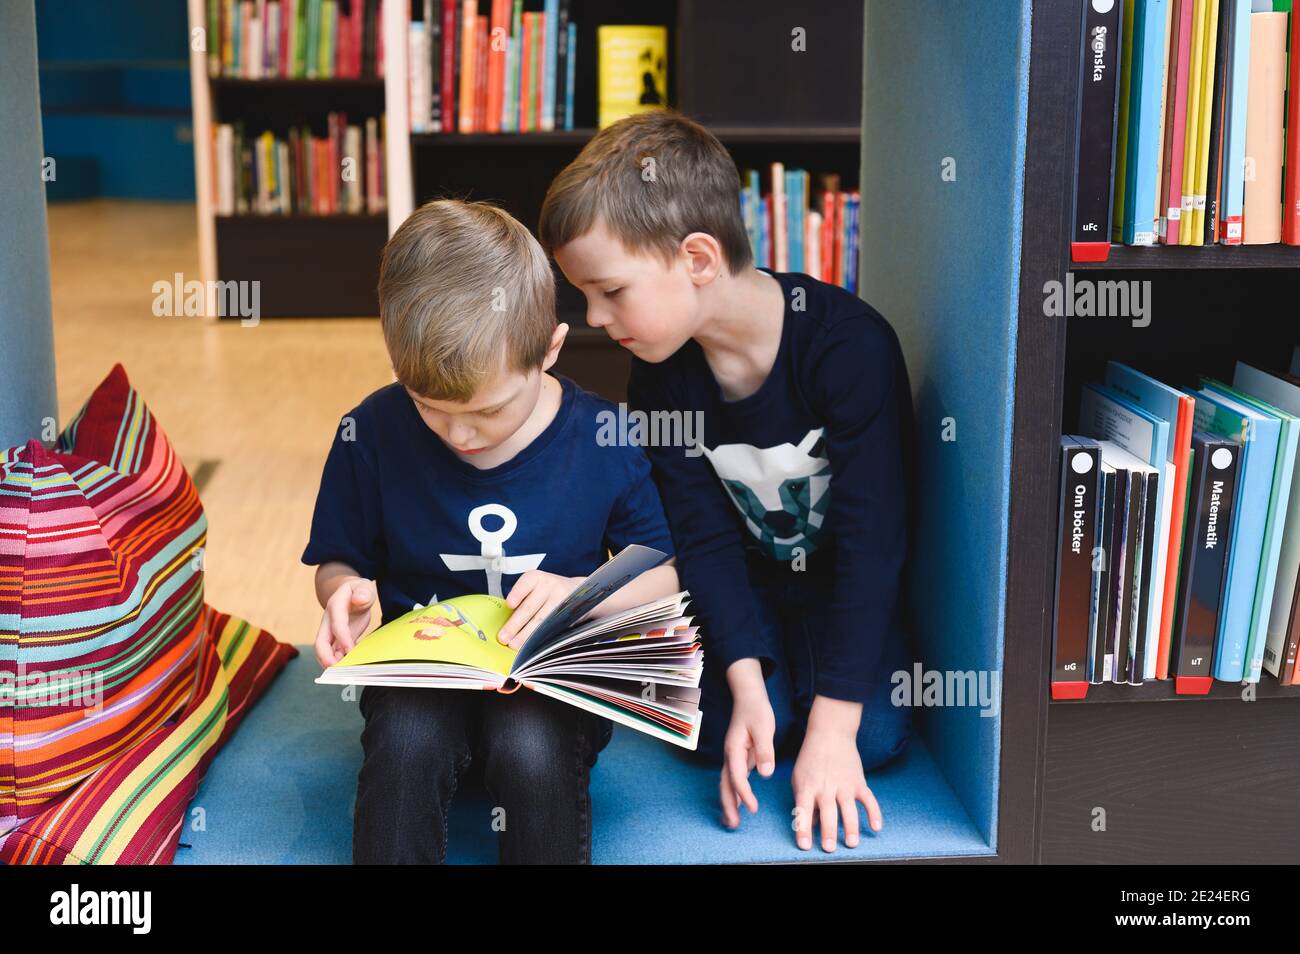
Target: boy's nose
(595, 319)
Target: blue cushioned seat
(282, 790)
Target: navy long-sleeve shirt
(806, 473)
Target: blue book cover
(793, 222)
(1279, 501)
(1234, 147)
(572, 55)
(550, 54)
(1258, 435)
(765, 232)
(1107, 414)
(854, 204)
(1144, 143)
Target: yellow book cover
(461, 631)
(1206, 103)
(1121, 132)
(633, 70)
(1195, 81)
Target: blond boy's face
(487, 420)
(647, 306)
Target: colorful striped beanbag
(104, 636)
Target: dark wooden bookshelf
(1205, 783)
(1196, 256)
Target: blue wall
(115, 98)
(941, 261)
(27, 394)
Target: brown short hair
(694, 187)
(462, 286)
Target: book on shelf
(794, 227)
(1077, 568)
(632, 64)
(1210, 476)
(1203, 144)
(1204, 556)
(640, 667)
(1107, 414)
(490, 66)
(301, 173)
(295, 39)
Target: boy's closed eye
(612, 292)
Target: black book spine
(433, 12)
(1097, 120)
(1116, 639)
(1128, 524)
(1150, 513)
(1077, 527)
(1205, 555)
(1105, 596)
(561, 62)
(1214, 181)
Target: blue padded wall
(948, 82)
(27, 394)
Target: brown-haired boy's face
(642, 302)
(487, 420)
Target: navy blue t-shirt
(803, 479)
(401, 508)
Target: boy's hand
(532, 598)
(749, 740)
(828, 780)
(347, 614)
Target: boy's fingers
(362, 596)
(730, 804)
(521, 617)
(337, 611)
(875, 818)
(523, 587)
(549, 603)
(738, 769)
(803, 812)
(849, 813)
(765, 754)
(324, 654)
(828, 818)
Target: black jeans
(536, 754)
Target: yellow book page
(461, 630)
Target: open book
(640, 668)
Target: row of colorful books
(793, 229)
(510, 70)
(1185, 136)
(301, 174)
(295, 39)
(1179, 533)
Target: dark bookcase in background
(1212, 779)
(731, 67)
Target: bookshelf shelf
(825, 135)
(1195, 257)
(1163, 691)
(329, 83)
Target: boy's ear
(703, 257)
(557, 341)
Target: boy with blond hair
(476, 471)
(789, 527)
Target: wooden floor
(255, 406)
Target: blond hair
(652, 179)
(463, 286)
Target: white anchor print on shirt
(492, 558)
